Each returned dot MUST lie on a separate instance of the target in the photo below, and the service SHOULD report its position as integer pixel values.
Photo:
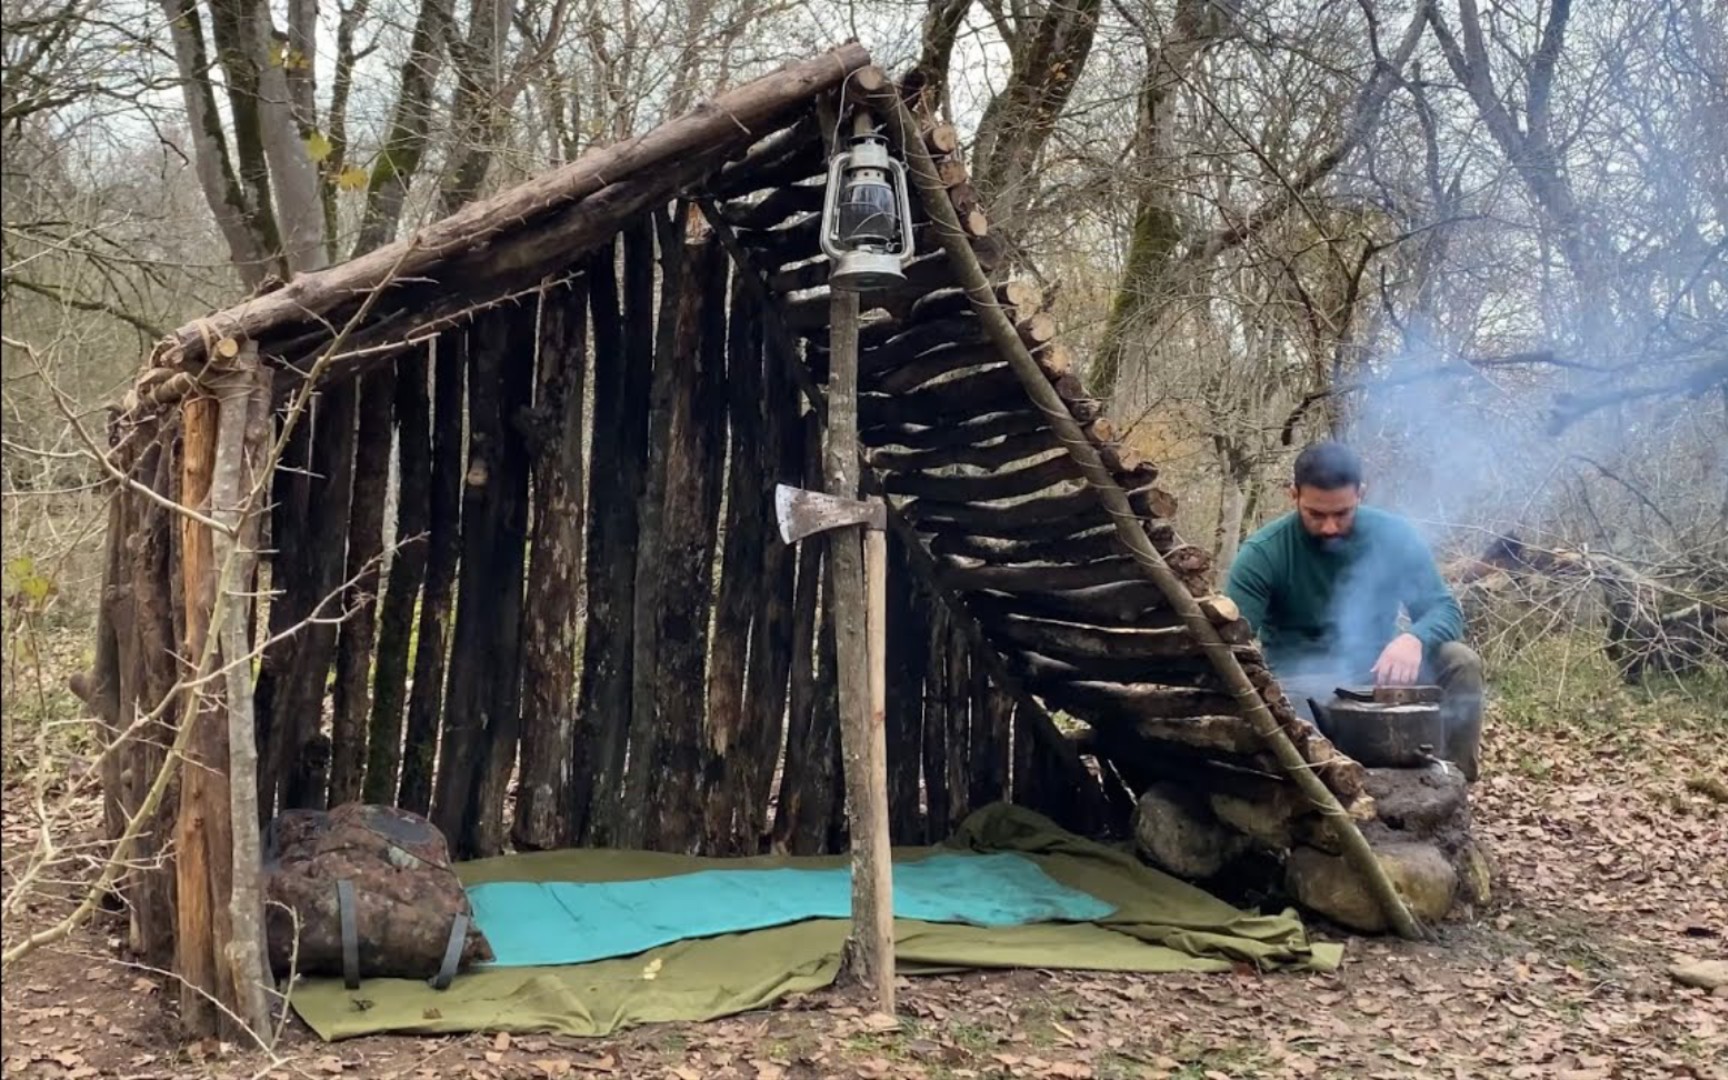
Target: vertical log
(992, 714)
(291, 600)
(236, 491)
(156, 659)
(411, 410)
(935, 742)
(351, 694)
(631, 824)
(807, 780)
(690, 504)
(480, 714)
(907, 635)
(203, 836)
(809, 804)
(956, 711)
(1022, 777)
(743, 582)
(105, 688)
(772, 633)
(443, 536)
(299, 703)
(555, 577)
(503, 634)
(623, 373)
(870, 950)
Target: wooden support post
(238, 488)
(924, 176)
(862, 732)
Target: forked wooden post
(859, 655)
(237, 490)
(220, 935)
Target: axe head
(802, 513)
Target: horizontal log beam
(1036, 579)
(490, 228)
(994, 455)
(1129, 604)
(1010, 484)
(780, 204)
(1033, 519)
(1130, 703)
(922, 437)
(801, 142)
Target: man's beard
(1331, 544)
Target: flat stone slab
(1421, 802)
(1709, 975)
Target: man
(1322, 586)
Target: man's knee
(1457, 668)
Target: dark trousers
(1457, 670)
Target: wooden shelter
(586, 631)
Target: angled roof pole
(903, 129)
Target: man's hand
(1400, 663)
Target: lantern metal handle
(836, 168)
(907, 249)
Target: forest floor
(1611, 863)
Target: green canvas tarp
(1159, 924)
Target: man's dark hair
(1328, 466)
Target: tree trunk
(555, 582)
(1049, 53)
(153, 573)
(399, 158)
(250, 248)
(443, 539)
(957, 710)
(992, 712)
(1141, 292)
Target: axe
(800, 514)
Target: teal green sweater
(1331, 612)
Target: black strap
(350, 934)
(452, 953)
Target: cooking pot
(1395, 727)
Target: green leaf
(318, 146)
